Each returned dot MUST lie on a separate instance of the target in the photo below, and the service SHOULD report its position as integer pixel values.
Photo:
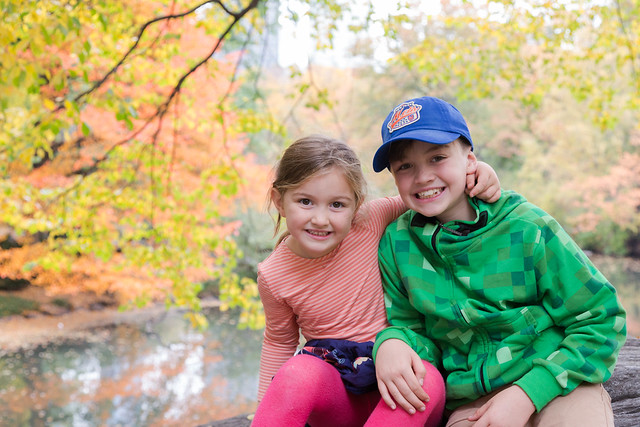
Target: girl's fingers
(471, 181)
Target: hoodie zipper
(482, 380)
(433, 238)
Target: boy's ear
(472, 162)
(276, 197)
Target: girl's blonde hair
(313, 154)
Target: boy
(498, 296)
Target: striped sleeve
(281, 336)
(384, 211)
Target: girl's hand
(509, 408)
(400, 375)
(484, 183)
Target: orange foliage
(87, 274)
(196, 134)
(615, 196)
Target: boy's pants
(587, 405)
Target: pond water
(158, 373)
(161, 372)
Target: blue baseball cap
(425, 119)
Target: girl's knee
(304, 370)
(434, 384)
(433, 373)
(296, 384)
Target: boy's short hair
(426, 119)
(397, 148)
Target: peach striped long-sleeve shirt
(336, 296)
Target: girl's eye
(305, 202)
(336, 205)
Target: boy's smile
(430, 193)
(431, 179)
(318, 213)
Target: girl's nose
(320, 217)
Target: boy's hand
(510, 408)
(484, 183)
(400, 375)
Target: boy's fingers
(384, 393)
(420, 372)
(418, 366)
(408, 397)
(399, 398)
(479, 412)
(475, 416)
(404, 403)
(421, 396)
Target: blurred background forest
(137, 136)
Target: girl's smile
(318, 213)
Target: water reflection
(164, 373)
(159, 373)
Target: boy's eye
(403, 166)
(438, 158)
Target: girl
(322, 280)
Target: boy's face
(431, 179)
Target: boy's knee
(587, 405)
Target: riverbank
(53, 321)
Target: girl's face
(318, 213)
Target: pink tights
(307, 389)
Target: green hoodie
(506, 299)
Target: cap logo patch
(404, 115)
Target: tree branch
(141, 32)
(163, 108)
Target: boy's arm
(407, 323)
(399, 349)
(583, 303)
(483, 183)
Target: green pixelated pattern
(509, 298)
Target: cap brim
(381, 158)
